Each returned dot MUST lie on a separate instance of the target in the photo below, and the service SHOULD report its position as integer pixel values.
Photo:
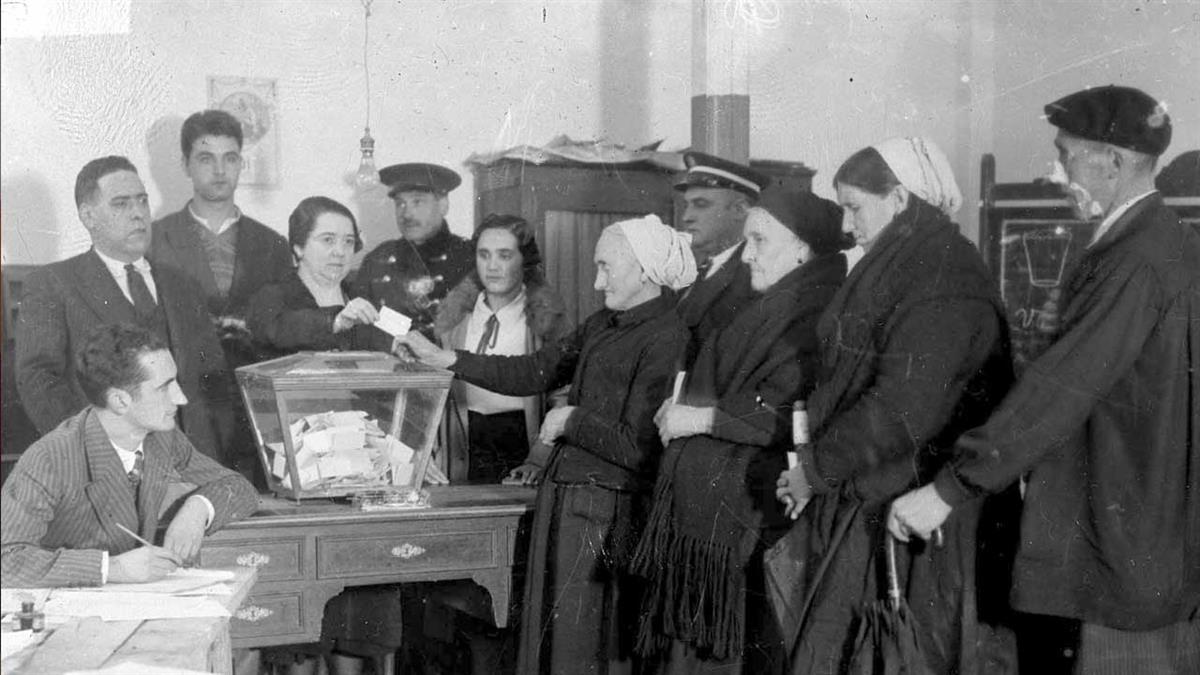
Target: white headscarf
(922, 167)
(664, 253)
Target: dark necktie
(135, 474)
(143, 302)
(702, 269)
(491, 331)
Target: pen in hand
(133, 534)
(144, 542)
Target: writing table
(87, 643)
(308, 552)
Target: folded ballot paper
(340, 448)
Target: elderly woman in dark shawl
(915, 351)
(580, 600)
(728, 434)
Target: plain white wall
(454, 77)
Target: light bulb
(367, 176)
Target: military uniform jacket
(413, 278)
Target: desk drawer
(269, 614)
(361, 555)
(276, 560)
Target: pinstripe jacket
(63, 501)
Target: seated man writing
(75, 498)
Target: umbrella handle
(893, 577)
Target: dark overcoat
(1109, 420)
(915, 352)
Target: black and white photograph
(600, 337)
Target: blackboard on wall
(1031, 241)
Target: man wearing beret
(413, 273)
(717, 195)
(1105, 426)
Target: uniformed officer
(413, 273)
(717, 195)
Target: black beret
(816, 221)
(1120, 116)
(710, 171)
(419, 176)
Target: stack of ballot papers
(184, 593)
(342, 447)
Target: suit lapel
(191, 256)
(155, 469)
(108, 490)
(702, 294)
(100, 290)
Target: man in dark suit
(117, 464)
(717, 195)
(210, 241)
(1105, 425)
(113, 282)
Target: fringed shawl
(715, 492)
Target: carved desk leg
(498, 583)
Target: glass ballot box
(333, 424)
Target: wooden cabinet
(307, 553)
(568, 205)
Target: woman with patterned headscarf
(580, 600)
(915, 351)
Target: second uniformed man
(412, 274)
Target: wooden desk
(306, 554)
(88, 643)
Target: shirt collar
(720, 259)
(128, 457)
(506, 313)
(117, 268)
(225, 224)
(1115, 215)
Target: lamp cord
(366, 4)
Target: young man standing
(228, 254)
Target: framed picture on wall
(253, 102)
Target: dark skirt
(498, 445)
(581, 609)
(363, 621)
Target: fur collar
(545, 313)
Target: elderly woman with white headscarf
(915, 352)
(580, 602)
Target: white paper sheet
(119, 606)
(392, 322)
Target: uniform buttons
(440, 258)
(391, 260)
(439, 278)
(385, 278)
